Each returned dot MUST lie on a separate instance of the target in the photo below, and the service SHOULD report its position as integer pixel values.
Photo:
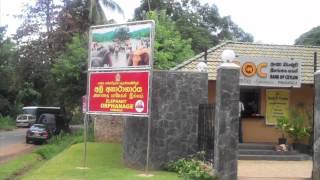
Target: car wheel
(27, 140)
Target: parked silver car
(25, 120)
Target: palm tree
(97, 15)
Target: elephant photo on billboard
(121, 46)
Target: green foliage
(28, 95)
(283, 125)
(201, 23)
(191, 168)
(58, 143)
(170, 48)
(77, 116)
(298, 132)
(48, 26)
(299, 126)
(8, 60)
(74, 17)
(122, 33)
(311, 37)
(69, 73)
(7, 123)
(97, 14)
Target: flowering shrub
(192, 168)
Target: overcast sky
(269, 21)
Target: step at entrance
(252, 151)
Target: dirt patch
(12, 151)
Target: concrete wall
(175, 101)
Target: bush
(283, 125)
(192, 168)
(77, 116)
(7, 123)
(299, 126)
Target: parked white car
(25, 120)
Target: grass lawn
(104, 162)
(19, 165)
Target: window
(250, 97)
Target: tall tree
(39, 41)
(97, 15)
(8, 61)
(74, 17)
(311, 37)
(69, 73)
(35, 35)
(202, 23)
(122, 33)
(170, 48)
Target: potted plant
(282, 125)
(299, 129)
(298, 133)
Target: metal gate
(206, 130)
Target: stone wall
(175, 102)
(108, 128)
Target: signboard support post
(85, 140)
(148, 145)
(150, 112)
(85, 132)
(149, 122)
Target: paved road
(274, 170)
(12, 137)
(12, 144)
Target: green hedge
(58, 143)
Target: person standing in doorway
(241, 109)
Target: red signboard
(119, 92)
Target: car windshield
(32, 117)
(38, 127)
(22, 117)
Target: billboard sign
(121, 45)
(270, 72)
(119, 93)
